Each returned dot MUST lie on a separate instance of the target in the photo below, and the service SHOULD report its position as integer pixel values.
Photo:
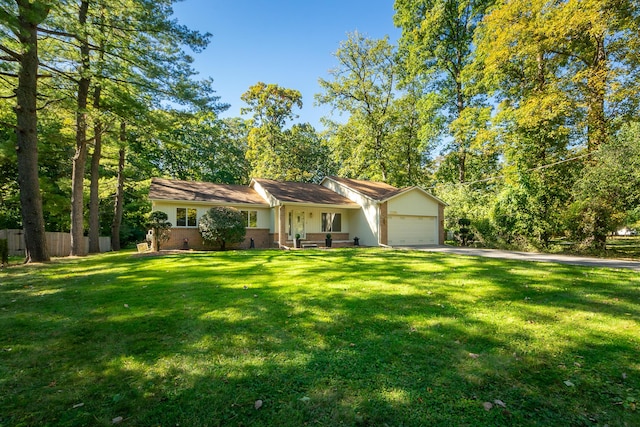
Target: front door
(297, 224)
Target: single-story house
(378, 214)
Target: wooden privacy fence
(58, 244)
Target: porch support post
(282, 238)
(384, 224)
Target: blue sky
(287, 42)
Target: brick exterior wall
(194, 240)
(441, 232)
(384, 224)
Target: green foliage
(222, 225)
(607, 192)
(435, 48)
(199, 147)
(387, 136)
(472, 202)
(273, 152)
(158, 222)
(271, 104)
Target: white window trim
(186, 217)
(331, 215)
(248, 217)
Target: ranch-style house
(375, 213)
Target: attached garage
(412, 230)
(392, 216)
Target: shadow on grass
(332, 338)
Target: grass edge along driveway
(341, 337)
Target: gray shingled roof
(372, 189)
(172, 189)
(302, 192)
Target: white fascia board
(346, 187)
(319, 205)
(208, 203)
(405, 191)
(270, 200)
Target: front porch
(315, 240)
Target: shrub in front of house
(161, 228)
(222, 225)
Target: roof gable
(374, 190)
(378, 191)
(302, 192)
(177, 190)
(419, 190)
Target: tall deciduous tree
(363, 86)
(563, 71)
(23, 23)
(436, 45)
(607, 191)
(273, 151)
(201, 147)
(271, 104)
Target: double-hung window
(186, 217)
(250, 218)
(331, 222)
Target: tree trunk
(80, 156)
(30, 15)
(462, 150)
(597, 84)
(94, 201)
(118, 204)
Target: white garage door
(412, 230)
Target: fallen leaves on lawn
(489, 406)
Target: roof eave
(210, 202)
(352, 189)
(319, 205)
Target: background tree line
(523, 116)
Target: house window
(186, 217)
(250, 218)
(331, 222)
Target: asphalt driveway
(531, 256)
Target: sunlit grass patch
(342, 337)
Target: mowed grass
(348, 337)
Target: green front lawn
(365, 337)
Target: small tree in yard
(222, 225)
(161, 229)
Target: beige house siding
(260, 233)
(413, 202)
(363, 223)
(415, 208)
